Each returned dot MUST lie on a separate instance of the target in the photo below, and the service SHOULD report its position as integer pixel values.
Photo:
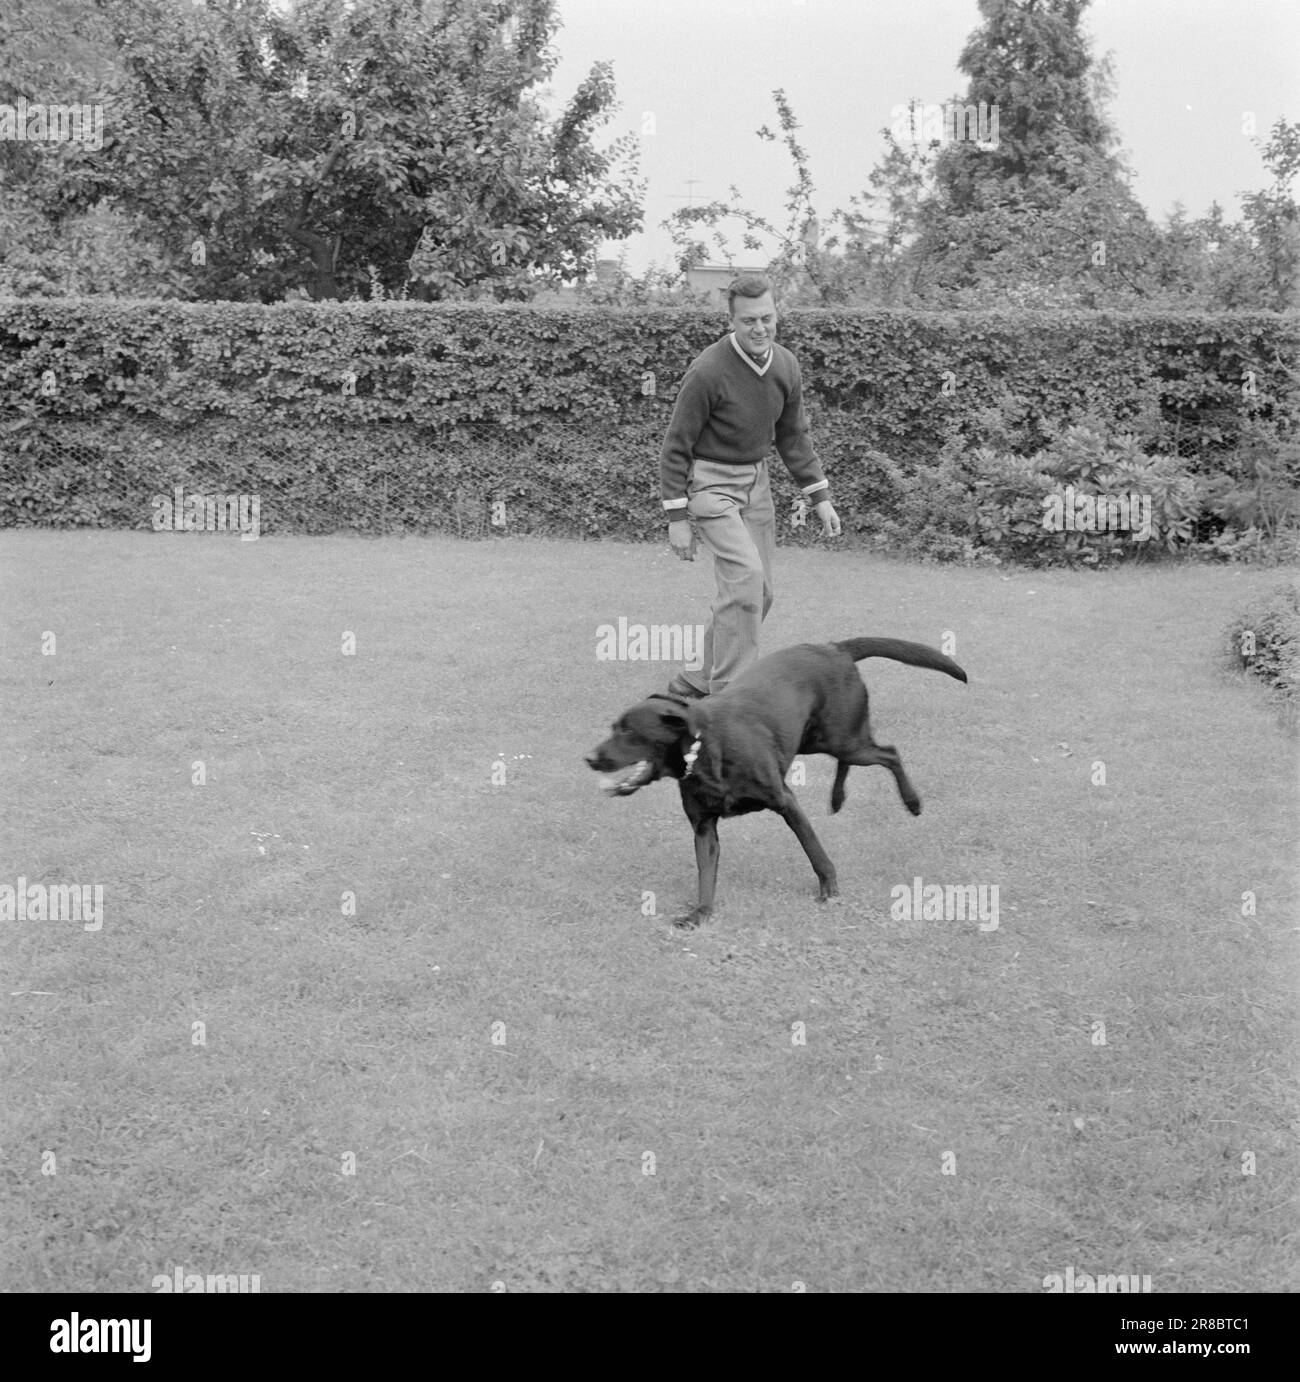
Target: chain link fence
(473, 480)
(553, 478)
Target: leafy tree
(1274, 217)
(882, 224)
(1042, 215)
(617, 286)
(98, 251)
(1016, 219)
(60, 52)
(1031, 60)
(803, 268)
(432, 119)
(353, 146)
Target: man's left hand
(830, 519)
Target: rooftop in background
(714, 279)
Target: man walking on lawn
(739, 396)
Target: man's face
(754, 322)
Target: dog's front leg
(706, 863)
(792, 813)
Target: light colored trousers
(731, 507)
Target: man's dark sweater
(728, 412)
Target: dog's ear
(672, 710)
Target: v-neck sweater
(732, 411)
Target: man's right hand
(681, 537)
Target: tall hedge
(896, 382)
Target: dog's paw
(914, 805)
(827, 892)
(837, 800)
(688, 921)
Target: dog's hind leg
(792, 813)
(887, 756)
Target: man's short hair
(747, 286)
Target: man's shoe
(682, 688)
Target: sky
(697, 77)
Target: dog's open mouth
(626, 781)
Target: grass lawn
(499, 1069)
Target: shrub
(1265, 640)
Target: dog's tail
(915, 654)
